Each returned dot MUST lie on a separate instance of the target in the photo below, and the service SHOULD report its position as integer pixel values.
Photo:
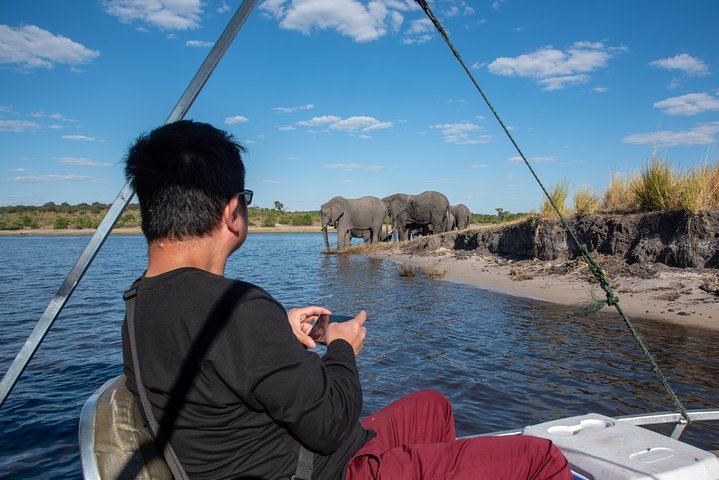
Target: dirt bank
(662, 266)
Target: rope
(612, 299)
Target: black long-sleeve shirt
(239, 393)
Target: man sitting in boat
(227, 371)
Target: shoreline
(653, 291)
(670, 295)
(49, 232)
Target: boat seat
(115, 442)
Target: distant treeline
(83, 215)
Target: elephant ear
(337, 211)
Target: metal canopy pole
(119, 205)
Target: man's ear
(232, 214)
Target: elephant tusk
(324, 227)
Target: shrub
(586, 201)
(82, 221)
(269, 221)
(60, 223)
(559, 194)
(302, 219)
(654, 188)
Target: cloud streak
(355, 124)
(166, 15)
(684, 63)
(690, 104)
(703, 134)
(555, 69)
(465, 133)
(32, 47)
(361, 21)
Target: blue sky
(354, 98)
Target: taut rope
(597, 271)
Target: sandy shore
(657, 292)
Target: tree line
(63, 216)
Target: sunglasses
(247, 194)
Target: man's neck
(202, 253)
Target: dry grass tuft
(655, 188)
(617, 197)
(586, 201)
(697, 189)
(559, 194)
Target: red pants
(416, 440)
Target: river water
(503, 361)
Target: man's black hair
(183, 174)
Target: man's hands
(352, 331)
(301, 321)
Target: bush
(302, 219)
(270, 220)
(60, 223)
(82, 221)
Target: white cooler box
(601, 448)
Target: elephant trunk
(327, 241)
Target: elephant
(427, 208)
(345, 214)
(365, 234)
(452, 219)
(461, 216)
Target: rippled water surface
(504, 362)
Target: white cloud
(600, 89)
(199, 43)
(83, 162)
(704, 134)
(18, 170)
(348, 167)
(309, 106)
(162, 14)
(318, 121)
(360, 123)
(462, 133)
(361, 21)
(286, 128)
(480, 165)
(32, 47)
(348, 17)
(223, 7)
(271, 181)
(556, 69)
(17, 125)
(419, 31)
(690, 104)
(357, 124)
(684, 63)
(79, 138)
(50, 178)
(236, 119)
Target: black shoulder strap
(175, 466)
